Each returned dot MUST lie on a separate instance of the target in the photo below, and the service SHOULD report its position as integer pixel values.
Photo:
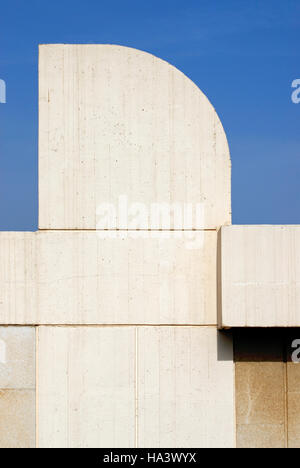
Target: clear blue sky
(243, 54)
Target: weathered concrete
(17, 418)
(267, 387)
(114, 121)
(260, 276)
(185, 388)
(293, 386)
(135, 386)
(86, 387)
(78, 278)
(260, 391)
(117, 122)
(17, 387)
(17, 357)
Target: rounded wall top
(118, 122)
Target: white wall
(260, 273)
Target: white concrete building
(109, 314)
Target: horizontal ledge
(127, 230)
(106, 325)
(256, 327)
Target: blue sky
(243, 54)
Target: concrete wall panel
(267, 387)
(135, 386)
(293, 387)
(185, 388)
(17, 418)
(78, 278)
(260, 276)
(18, 281)
(17, 387)
(86, 390)
(118, 121)
(260, 375)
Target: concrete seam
(108, 325)
(136, 389)
(36, 387)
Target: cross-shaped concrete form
(135, 266)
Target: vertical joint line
(36, 387)
(286, 407)
(285, 377)
(136, 389)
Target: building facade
(137, 315)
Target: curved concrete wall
(136, 360)
(118, 121)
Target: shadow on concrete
(258, 344)
(264, 344)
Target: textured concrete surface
(260, 272)
(294, 418)
(86, 391)
(260, 388)
(185, 388)
(293, 387)
(76, 277)
(260, 400)
(135, 386)
(17, 357)
(118, 122)
(17, 418)
(114, 121)
(267, 388)
(17, 387)
(18, 282)
(260, 436)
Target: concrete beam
(259, 274)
